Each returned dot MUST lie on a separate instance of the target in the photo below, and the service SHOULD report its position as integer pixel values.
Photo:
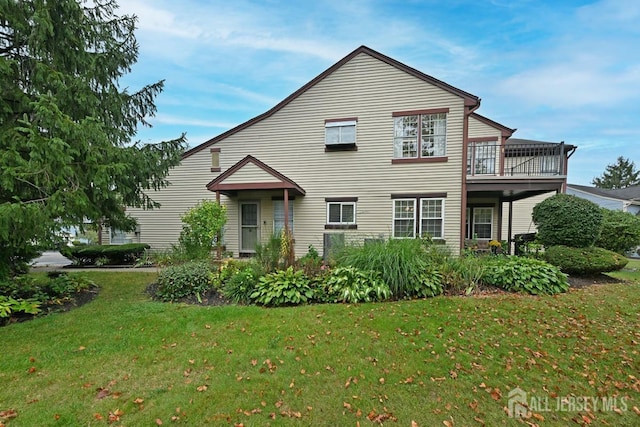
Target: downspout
(566, 167)
(465, 143)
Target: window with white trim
(340, 132)
(341, 213)
(278, 216)
(482, 224)
(432, 218)
(404, 218)
(420, 135)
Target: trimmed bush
(105, 254)
(351, 285)
(283, 287)
(584, 261)
(403, 264)
(567, 220)
(620, 231)
(520, 274)
(180, 281)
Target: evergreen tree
(66, 124)
(621, 174)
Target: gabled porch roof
(252, 174)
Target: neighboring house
(623, 199)
(369, 148)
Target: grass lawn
(125, 360)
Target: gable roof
(631, 193)
(279, 180)
(469, 99)
(505, 131)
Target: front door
(249, 226)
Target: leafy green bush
(520, 274)
(567, 220)
(401, 263)
(105, 254)
(620, 231)
(241, 284)
(200, 227)
(351, 285)
(180, 281)
(283, 287)
(584, 261)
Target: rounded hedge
(620, 231)
(584, 261)
(567, 220)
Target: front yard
(123, 359)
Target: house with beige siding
(370, 148)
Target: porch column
(500, 221)
(287, 230)
(510, 227)
(219, 234)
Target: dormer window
(340, 134)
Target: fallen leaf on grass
(102, 393)
(202, 388)
(8, 414)
(158, 421)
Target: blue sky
(556, 70)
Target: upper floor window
(420, 134)
(340, 131)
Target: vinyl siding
(522, 210)
(292, 142)
(250, 173)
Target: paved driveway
(51, 259)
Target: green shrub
(620, 231)
(200, 227)
(180, 281)
(241, 284)
(105, 254)
(584, 261)
(350, 285)
(567, 220)
(401, 263)
(520, 274)
(283, 287)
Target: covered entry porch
(259, 203)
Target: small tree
(201, 226)
(621, 174)
(620, 231)
(567, 220)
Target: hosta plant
(283, 287)
(351, 285)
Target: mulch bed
(211, 297)
(79, 299)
